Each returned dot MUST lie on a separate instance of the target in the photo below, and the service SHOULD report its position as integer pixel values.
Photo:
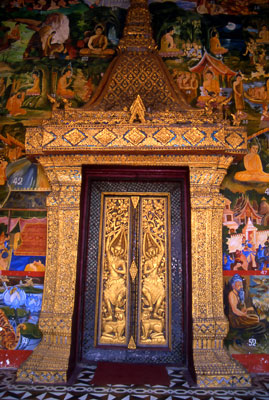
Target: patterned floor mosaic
(180, 388)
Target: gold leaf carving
(133, 270)
(220, 136)
(234, 140)
(135, 136)
(194, 136)
(164, 135)
(135, 200)
(74, 137)
(105, 137)
(131, 344)
(137, 110)
(48, 137)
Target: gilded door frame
(73, 138)
(101, 173)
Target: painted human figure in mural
(35, 89)
(240, 261)
(263, 36)
(238, 92)
(262, 257)
(97, 44)
(14, 34)
(211, 89)
(49, 36)
(251, 50)
(152, 286)
(167, 41)
(14, 102)
(115, 287)
(250, 253)
(211, 84)
(240, 315)
(253, 167)
(188, 83)
(64, 84)
(209, 7)
(215, 46)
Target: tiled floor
(179, 388)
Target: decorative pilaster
(213, 365)
(49, 362)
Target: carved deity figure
(153, 287)
(115, 286)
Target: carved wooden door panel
(134, 270)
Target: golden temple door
(134, 274)
(134, 270)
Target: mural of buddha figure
(167, 41)
(215, 46)
(253, 167)
(263, 36)
(97, 44)
(210, 89)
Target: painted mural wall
(53, 54)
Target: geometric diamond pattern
(164, 136)
(135, 136)
(234, 140)
(220, 136)
(48, 137)
(181, 387)
(194, 136)
(105, 137)
(74, 137)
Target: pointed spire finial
(137, 34)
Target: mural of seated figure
(210, 90)
(253, 167)
(97, 44)
(240, 316)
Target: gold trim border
(49, 361)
